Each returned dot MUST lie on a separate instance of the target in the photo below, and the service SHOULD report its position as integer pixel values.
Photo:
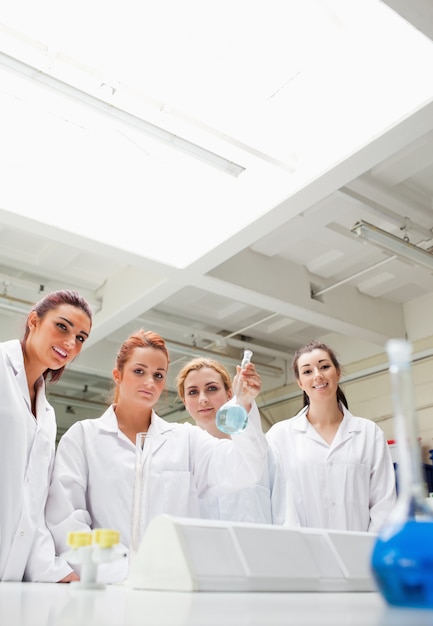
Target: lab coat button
(21, 533)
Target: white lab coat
(27, 448)
(348, 485)
(250, 504)
(93, 478)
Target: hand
(251, 384)
(73, 576)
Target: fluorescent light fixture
(395, 245)
(105, 108)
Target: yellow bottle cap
(77, 539)
(106, 537)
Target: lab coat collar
(14, 352)
(300, 421)
(348, 426)
(302, 425)
(158, 427)
(43, 407)
(158, 430)
(350, 423)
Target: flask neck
(411, 487)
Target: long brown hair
(317, 345)
(50, 302)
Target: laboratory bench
(192, 572)
(51, 604)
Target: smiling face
(142, 380)
(318, 376)
(56, 338)
(204, 394)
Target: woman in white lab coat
(55, 331)
(338, 468)
(93, 478)
(204, 385)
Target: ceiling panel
(275, 263)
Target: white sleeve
(66, 508)
(382, 483)
(43, 565)
(222, 466)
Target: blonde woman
(204, 385)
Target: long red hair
(139, 339)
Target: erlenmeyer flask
(231, 417)
(402, 558)
(140, 504)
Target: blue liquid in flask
(402, 557)
(403, 565)
(232, 419)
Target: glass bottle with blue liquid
(232, 417)
(402, 558)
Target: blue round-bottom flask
(402, 564)
(232, 419)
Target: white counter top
(44, 604)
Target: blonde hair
(197, 364)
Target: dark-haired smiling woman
(56, 328)
(337, 467)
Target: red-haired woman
(93, 478)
